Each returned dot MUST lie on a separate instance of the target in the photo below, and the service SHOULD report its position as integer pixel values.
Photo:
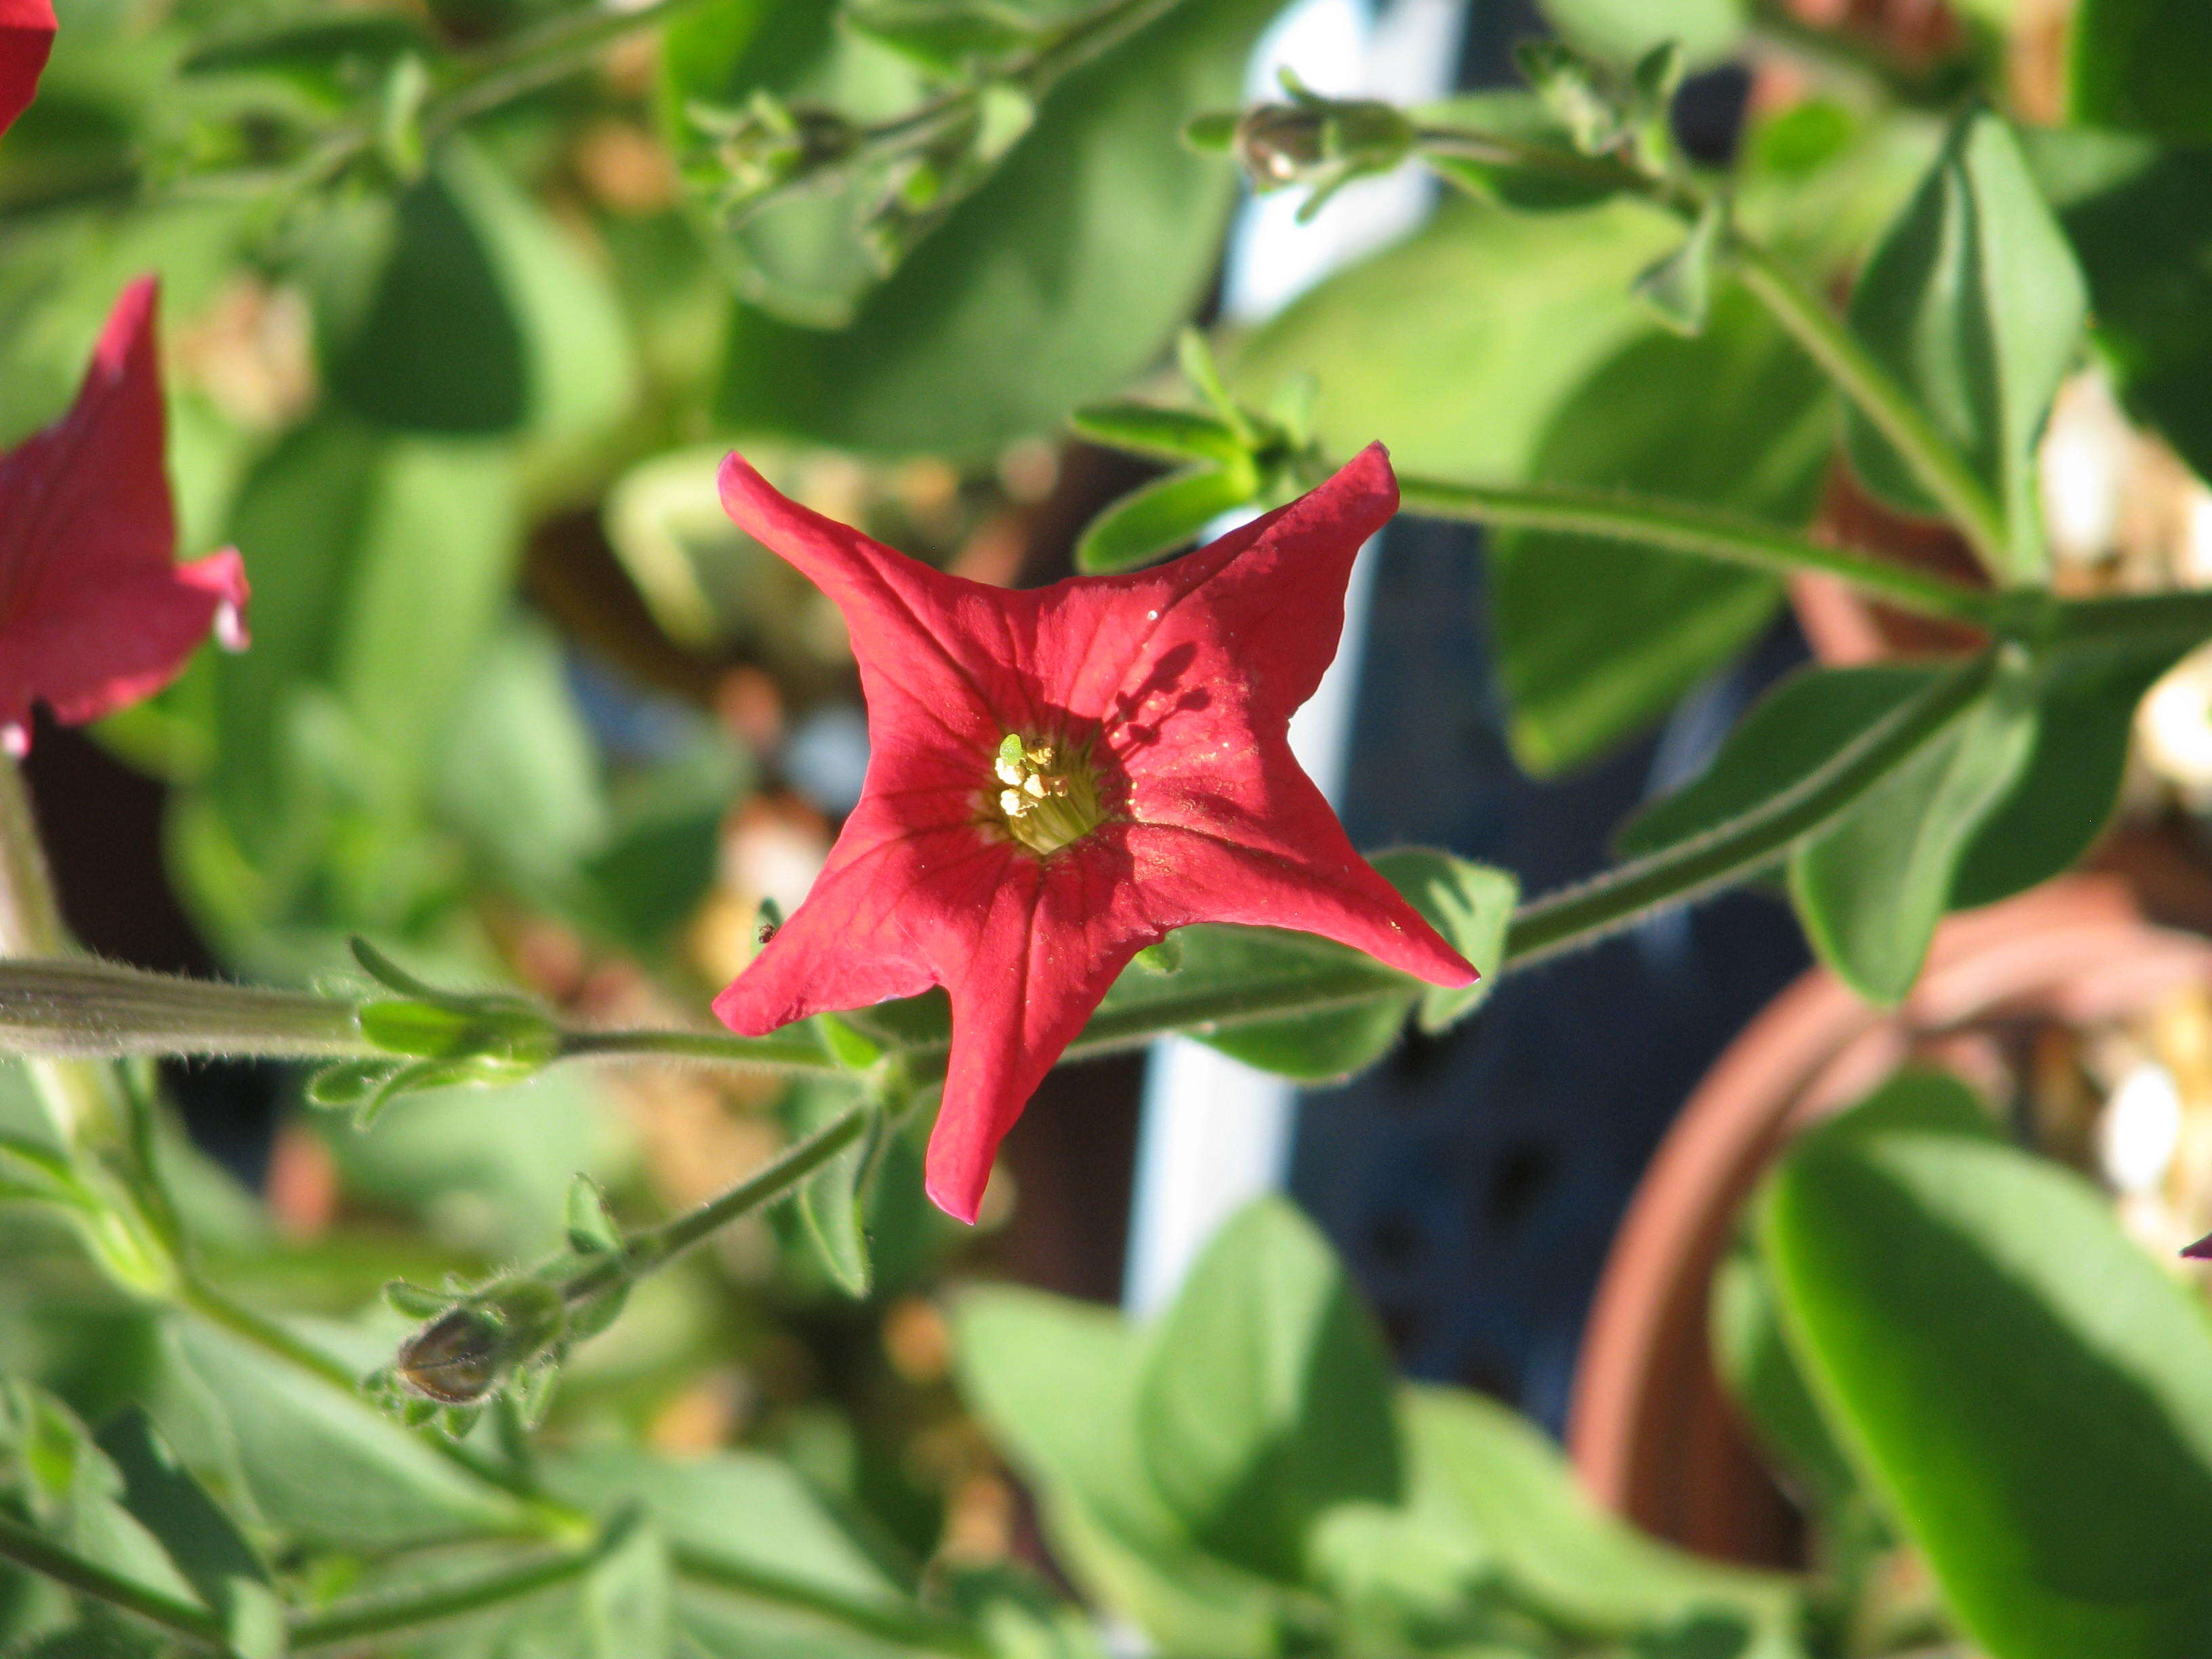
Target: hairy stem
(1733, 852)
(653, 1246)
(80, 1007)
(1699, 532)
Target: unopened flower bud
(461, 1356)
(1319, 141)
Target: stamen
(230, 627)
(1050, 798)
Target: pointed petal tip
(129, 332)
(738, 1009)
(2200, 1250)
(955, 1193)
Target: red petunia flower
(1057, 778)
(94, 614)
(27, 35)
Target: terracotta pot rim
(1647, 1407)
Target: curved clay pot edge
(1644, 1392)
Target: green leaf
(379, 567)
(627, 1592)
(1051, 285)
(1480, 1468)
(486, 1172)
(1470, 904)
(2137, 65)
(833, 1201)
(1974, 302)
(1766, 1383)
(203, 1541)
(1595, 639)
(1456, 346)
(2140, 220)
(463, 310)
(324, 1464)
(1167, 434)
(1679, 287)
(2068, 787)
(349, 1083)
(2030, 1395)
(739, 1520)
(1626, 31)
(591, 1226)
(1056, 1381)
(1163, 516)
(74, 1493)
(1870, 892)
(1788, 735)
(1266, 1399)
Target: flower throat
(1047, 795)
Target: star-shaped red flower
(94, 614)
(27, 35)
(1057, 778)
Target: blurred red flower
(93, 613)
(1058, 777)
(27, 35)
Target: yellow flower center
(1046, 793)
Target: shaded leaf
(1456, 346)
(1056, 1382)
(1871, 890)
(1974, 302)
(324, 1464)
(2138, 64)
(1267, 1397)
(1595, 638)
(203, 1541)
(1050, 286)
(2029, 1393)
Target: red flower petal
(1179, 683)
(93, 616)
(27, 35)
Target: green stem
(536, 58)
(74, 1007)
(792, 1049)
(79, 1007)
(382, 1616)
(41, 1554)
(1075, 44)
(1936, 465)
(1698, 532)
(2150, 620)
(1733, 851)
(651, 1248)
